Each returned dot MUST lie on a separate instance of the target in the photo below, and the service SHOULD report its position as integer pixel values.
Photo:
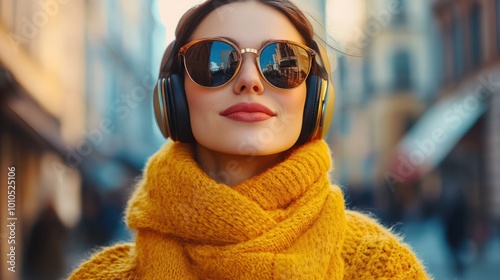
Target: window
(498, 26)
(458, 48)
(367, 79)
(401, 69)
(399, 17)
(345, 124)
(475, 35)
(447, 58)
(342, 68)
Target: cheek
(289, 124)
(196, 99)
(298, 104)
(203, 111)
(190, 90)
(197, 108)
(293, 102)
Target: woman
(244, 192)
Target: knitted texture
(286, 223)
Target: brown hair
(192, 18)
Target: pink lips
(248, 112)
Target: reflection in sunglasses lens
(284, 65)
(211, 63)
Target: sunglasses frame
(240, 51)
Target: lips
(248, 112)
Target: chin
(250, 146)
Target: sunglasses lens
(211, 63)
(285, 65)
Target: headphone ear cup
(171, 109)
(178, 110)
(327, 108)
(311, 109)
(320, 101)
(160, 107)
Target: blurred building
(417, 113)
(76, 82)
(416, 132)
(381, 94)
(42, 114)
(470, 34)
(124, 42)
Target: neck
(234, 169)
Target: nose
(248, 79)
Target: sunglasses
(214, 62)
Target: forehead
(249, 23)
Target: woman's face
(219, 126)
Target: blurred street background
(415, 137)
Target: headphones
(172, 110)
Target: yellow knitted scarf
(286, 223)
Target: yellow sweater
(286, 223)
